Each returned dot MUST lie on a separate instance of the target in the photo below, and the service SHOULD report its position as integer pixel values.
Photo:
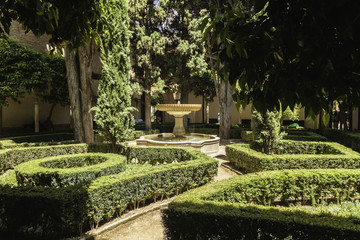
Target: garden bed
(293, 155)
(47, 212)
(269, 205)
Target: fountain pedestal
(179, 130)
(179, 111)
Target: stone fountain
(179, 111)
(179, 138)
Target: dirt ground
(147, 225)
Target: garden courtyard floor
(145, 223)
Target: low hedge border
(9, 158)
(349, 139)
(246, 207)
(244, 157)
(37, 140)
(299, 135)
(60, 212)
(62, 171)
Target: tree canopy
(23, 69)
(294, 51)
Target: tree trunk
(1, 121)
(48, 119)
(207, 111)
(223, 89)
(86, 55)
(224, 96)
(147, 109)
(203, 109)
(78, 73)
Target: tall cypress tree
(113, 111)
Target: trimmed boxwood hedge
(349, 139)
(62, 171)
(37, 140)
(299, 135)
(296, 135)
(52, 213)
(293, 155)
(253, 206)
(9, 158)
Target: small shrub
(267, 129)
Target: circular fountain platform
(202, 142)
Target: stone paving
(145, 223)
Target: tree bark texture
(224, 96)
(147, 109)
(1, 120)
(79, 72)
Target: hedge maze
(80, 186)
(306, 190)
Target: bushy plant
(113, 111)
(267, 129)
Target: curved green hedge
(62, 171)
(293, 155)
(9, 158)
(254, 206)
(45, 212)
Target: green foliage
(260, 206)
(247, 136)
(72, 21)
(58, 92)
(6, 15)
(294, 51)
(63, 211)
(147, 42)
(292, 114)
(113, 112)
(349, 139)
(63, 171)
(160, 155)
(9, 158)
(203, 85)
(267, 129)
(293, 155)
(300, 135)
(37, 140)
(22, 68)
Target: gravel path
(147, 224)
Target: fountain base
(202, 142)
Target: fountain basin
(202, 142)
